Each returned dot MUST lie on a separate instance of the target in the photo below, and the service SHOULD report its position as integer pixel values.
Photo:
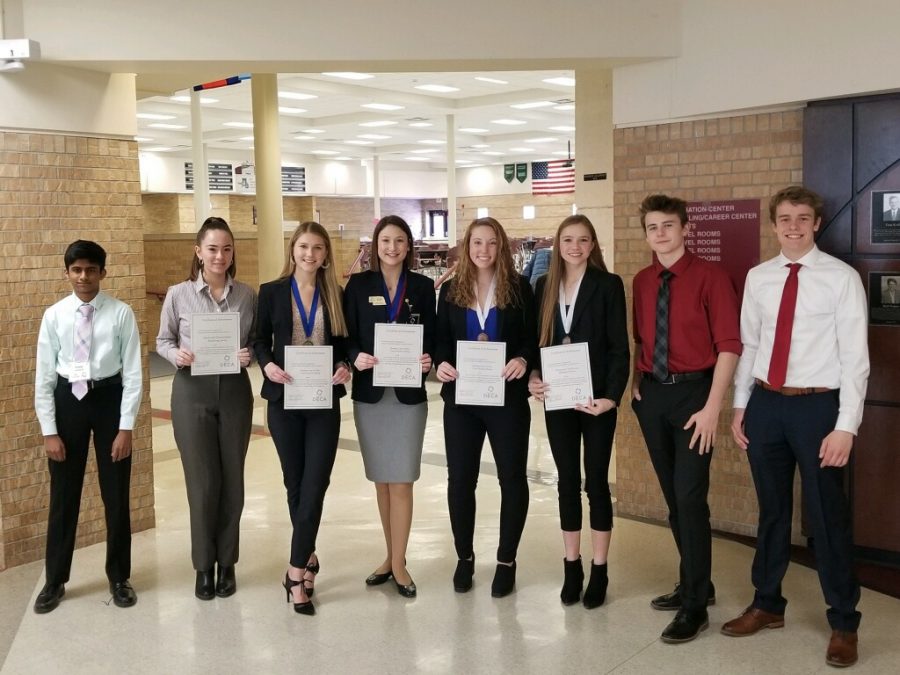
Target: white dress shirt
(115, 348)
(829, 342)
(191, 297)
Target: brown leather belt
(793, 391)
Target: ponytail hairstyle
(212, 223)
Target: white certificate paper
(311, 369)
(480, 369)
(215, 341)
(567, 369)
(398, 347)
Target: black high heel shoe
(314, 570)
(307, 607)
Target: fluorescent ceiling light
(565, 106)
(464, 161)
(432, 141)
(416, 159)
(350, 75)
(421, 125)
(420, 151)
(286, 110)
(187, 99)
(302, 137)
(544, 139)
(160, 125)
(521, 149)
(154, 116)
(296, 96)
(481, 145)
(532, 104)
(157, 148)
(474, 130)
(343, 158)
(562, 81)
(382, 106)
(378, 123)
(508, 122)
(143, 139)
(238, 125)
(563, 128)
(313, 131)
(492, 80)
(246, 138)
(438, 88)
(359, 142)
(374, 137)
(493, 153)
(325, 152)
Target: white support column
(451, 180)
(267, 158)
(376, 185)
(201, 172)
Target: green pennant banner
(509, 172)
(521, 172)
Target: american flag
(553, 178)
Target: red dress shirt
(703, 314)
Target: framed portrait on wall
(884, 298)
(885, 217)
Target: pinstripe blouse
(189, 297)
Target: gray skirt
(390, 437)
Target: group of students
(688, 344)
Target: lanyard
(307, 322)
(568, 313)
(482, 312)
(393, 306)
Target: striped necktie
(82, 348)
(661, 343)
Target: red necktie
(783, 329)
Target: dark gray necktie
(661, 344)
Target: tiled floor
(373, 630)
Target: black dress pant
(306, 441)
(786, 432)
(98, 414)
(565, 431)
(683, 475)
(507, 430)
(212, 416)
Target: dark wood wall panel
(877, 138)
(876, 511)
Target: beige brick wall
(745, 157)
(549, 211)
(55, 189)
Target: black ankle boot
(574, 579)
(595, 593)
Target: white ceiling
(338, 114)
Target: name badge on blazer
(377, 300)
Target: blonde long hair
(557, 272)
(462, 292)
(326, 276)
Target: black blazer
(274, 329)
(516, 325)
(599, 320)
(362, 316)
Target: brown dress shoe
(752, 621)
(842, 649)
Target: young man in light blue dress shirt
(87, 382)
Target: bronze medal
(308, 343)
(567, 340)
(483, 337)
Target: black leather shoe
(378, 578)
(123, 594)
(226, 584)
(205, 587)
(573, 581)
(671, 602)
(685, 626)
(504, 580)
(462, 577)
(406, 590)
(49, 597)
(595, 593)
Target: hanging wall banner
(521, 172)
(509, 172)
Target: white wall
(50, 98)
(738, 55)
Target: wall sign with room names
(220, 177)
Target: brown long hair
(556, 273)
(326, 276)
(396, 221)
(462, 293)
(212, 223)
